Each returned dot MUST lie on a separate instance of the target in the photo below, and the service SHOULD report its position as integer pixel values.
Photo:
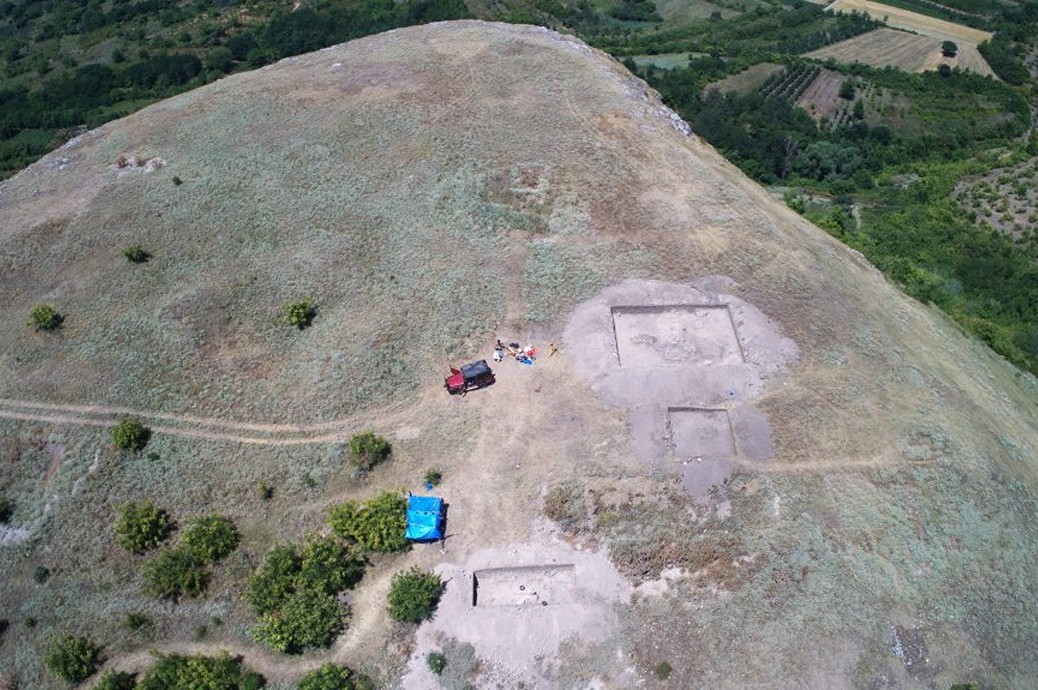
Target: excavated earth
(752, 462)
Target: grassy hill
(433, 189)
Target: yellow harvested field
(909, 52)
(913, 21)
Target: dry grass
(908, 52)
(393, 180)
(913, 21)
(748, 80)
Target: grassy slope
(395, 190)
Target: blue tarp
(424, 518)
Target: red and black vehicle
(469, 377)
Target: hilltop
(753, 458)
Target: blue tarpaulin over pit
(424, 518)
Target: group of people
(523, 355)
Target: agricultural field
(901, 50)
(821, 98)
(913, 21)
(686, 10)
(664, 60)
(748, 80)
(1005, 199)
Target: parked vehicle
(469, 377)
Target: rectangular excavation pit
(532, 585)
(675, 334)
(697, 432)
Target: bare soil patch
(700, 335)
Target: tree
(413, 595)
(299, 313)
(328, 566)
(308, 620)
(367, 449)
(378, 524)
(211, 538)
(72, 658)
(116, 680)
(220, 672)
(130, 434)
(334, 677)
(275, 581)
(142, 526)
(949, 49)
(45, 317)
(175, 572)
(847, 89)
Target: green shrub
(116, 680)
(220, 672)
(413, 595)
(40, 574)
(334, 677)
(265, 491)
(136, 621)
(367, 449)
(328, 566)
(130, 434)
(72, 658)
(436, 662)
(308, 620)
(175, 572)
(299, 313)
(135, 254)
(44, 317)
(141, 526)
(663, 670)
(211, 538)
(6, 510)
(275, 581)
(433, 477)
(378, 524)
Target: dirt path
(209, 428)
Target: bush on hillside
(211, 538)
(6, 510)
(367, 449)
(308, 620)
(44, 317)
(299, 313)
(413, 595)
(135, 254)
(142, 526)
(177, 672)
(130, 434)
(72, 658)
(174, 573)
(335, 677)
(436, 662)
(275, 581)
(378, 524)
(329, 566)
(116, 680)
